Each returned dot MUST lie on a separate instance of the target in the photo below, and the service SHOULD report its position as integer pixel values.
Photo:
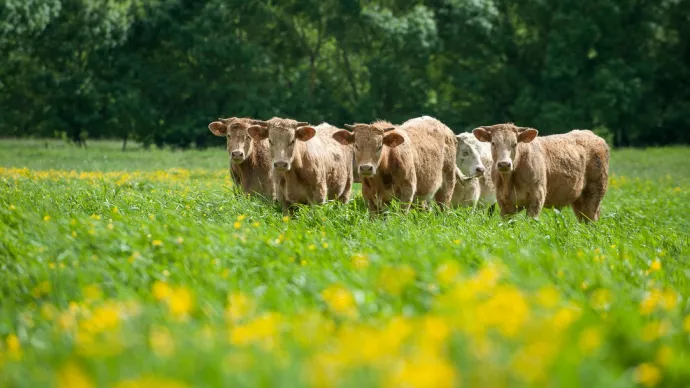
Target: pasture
(148, 268)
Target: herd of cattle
(418, 161)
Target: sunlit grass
(150, 268)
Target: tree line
(158, 71)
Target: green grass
(147, 267)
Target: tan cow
(474, 161)
(250, 161)
(413, 161)
(554, 171)
(309, 166)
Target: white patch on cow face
(468, 160)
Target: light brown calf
(309, 166)
(250, 161)
(413, 161)
(551, 171)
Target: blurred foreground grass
(148, 269)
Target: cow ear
(527, 135)
(305, 133)
(344, 137)
(482, 134)
(257, 132)
(393, 139)
(218, 128)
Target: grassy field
(133, 269)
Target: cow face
(468, 158)
(368, 142)
(239, 143)
(504, 139)
(282, 135)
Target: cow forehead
(367, 133)
(504, 135)
(237, 130)
(280, 132)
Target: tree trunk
(124, 142)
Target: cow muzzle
(366, 170)
(281, 165)
(504, 166)
(237, 156)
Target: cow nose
(480, 170)
(504, 165)
(237, 154)
(281, 165)
(366, 169)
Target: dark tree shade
(159, 71)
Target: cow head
(368, 141)
(504, 139)
(282, 135)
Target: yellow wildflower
(664, 355)
(647, 374)
(655, 266)
(548, 297)
(340, 300)
(423, 372)
(115, 210)
(239, 307)
(286, 218)
(46, 218)
(156, 243)
(241, 217)
(150, 382)
(686, 324)
(93, 292)
(161, 290)
(14, 346)
(448, 272)
(311, 247)
(654, 330)
(237, 225)
(601, 299)
(262, 330)
(590, 340)
(161, 342)
(72, 375)
(180, 302)
(393, 280)
(360, 261)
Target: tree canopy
(158, 71)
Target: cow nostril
(480, 169)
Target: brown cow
(417, 162)
(553, 171)
(250, 162)
(309, 166)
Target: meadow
(148, 268)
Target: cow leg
(445, 193)
(587, 206)
(345, 196)
(535, 202)
(407, 192)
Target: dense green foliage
(148, 268)
(160, 70)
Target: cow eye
(270, 142)
(356, 147)
(379, 148)
(514, 145)
(292, 142)
(465, 154)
